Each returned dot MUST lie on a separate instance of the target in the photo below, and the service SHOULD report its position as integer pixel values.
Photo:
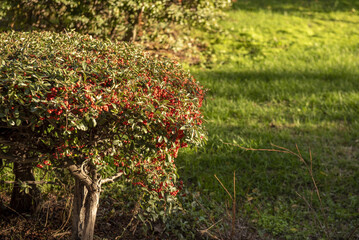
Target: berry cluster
(103, 102)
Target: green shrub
(100, 109)
(109, 18)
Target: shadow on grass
(332, 75)
(270, 85)
(329, 127)
(272, 179)
(331, 143)
(297, 5)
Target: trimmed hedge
(98, 108)
(84, 98)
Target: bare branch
(13, 158)
(80, 175)
(111, 179)
(29, 182)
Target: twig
(47, 214)
(13, 158)
(111, 179)
(135, 211)
(29, 182)
(311, 175)
(233, 205)
(16, 212)
(207, 229)
(61, 234)
(233, 198)
(223, 187)
(64, 224)
(311, 208)
(351, 234)
(309, 169)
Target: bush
(109, 18)
(102, 110)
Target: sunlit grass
(284, 75)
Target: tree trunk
(24, 200)
(131, 32)
(86, 202)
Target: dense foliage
(96, 108)
(109, 18)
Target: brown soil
(52, 221)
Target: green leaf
(16, 113)
(94, 123)
(11, 122)
(18, 122)
(81, 126)
(33, 109)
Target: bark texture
(133, 25)
(86, 202)
(86, 199)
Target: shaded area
(309, 96)
(269, 182)
(297, 5)
(303, 81)
(334, 74)
(316, 109)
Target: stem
(24, 200)
(85, 207)
(86, 200)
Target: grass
(283, 73)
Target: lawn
(279, 74)
(283, 73)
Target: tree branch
(13, 158)
(80, 175)
(28, 182)
(111, 179)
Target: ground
(283, 73)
